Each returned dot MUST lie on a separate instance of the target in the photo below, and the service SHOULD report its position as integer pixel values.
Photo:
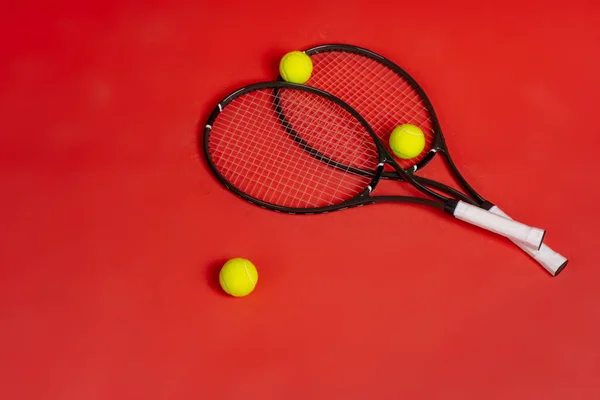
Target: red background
(112, 228)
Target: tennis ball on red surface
(295, 67)
(238, 277)
(407, 141)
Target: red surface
(112, 228)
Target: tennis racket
(297, 149)
(387, 96)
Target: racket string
(355, 148)
(242, 174)
(309, 120)
(316, 130)
(383, 97)
(277, 157)
(254, 148)
(379, 76)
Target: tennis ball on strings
(295, 67)
(407, 141)
(238, 277)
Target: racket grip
(527, 235)
(552, 261)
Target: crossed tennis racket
(320, 147)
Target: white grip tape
(513, 230)
(548, 258)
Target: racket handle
(527, 235)
(552, 261)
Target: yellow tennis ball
(295, 67)
(407, 141)
(238, 277)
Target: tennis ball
(238, 277)
(407, 141)
(295, 67)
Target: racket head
(251, 149)
(382, 92)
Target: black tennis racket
(387, 96)
(297, 149)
